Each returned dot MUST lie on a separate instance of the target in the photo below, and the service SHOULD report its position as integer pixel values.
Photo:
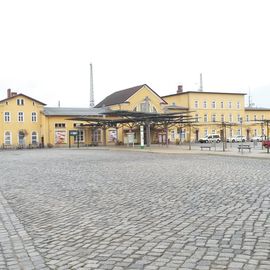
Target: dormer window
(20, 102)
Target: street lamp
(241, 123)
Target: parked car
(237, 138)
(266, 144)
(211, 138)
(258, 139)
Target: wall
(27, 126)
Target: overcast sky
(46, 47)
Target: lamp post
(262, 134)
(241, 123)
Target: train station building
(119, 118)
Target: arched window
(34, 137)
(7, 137)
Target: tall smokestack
(92, 102)
(201, 83)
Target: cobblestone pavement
(100, 209)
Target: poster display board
(60, 136)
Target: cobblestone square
(102, 209)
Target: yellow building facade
(27, 122)
(213, 112)
(21, 120)
(137, 99)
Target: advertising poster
(112, 135)
(60, 136)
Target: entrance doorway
(21, 138)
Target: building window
(238, 132)
(214, 118)
(7, 117)
(196, 104)
(231, 133)
(247, 118)
(204, 104)
(20, 116)
(230, 104)
(262, 117)
(205, 118)
(34, 117)
(221, 104)
(97, 135)
(59, 125)
(255, 117)
(205, 132)
(238, 118)
(213, 104)
(238, 105)
(182, 134)
(213, 131)
(145, 106)
(255, 132)
(230, 118)
(7, 138)
(222, 118)
(196, 118)
(34, 137)
(20, 102)
(75, 125)
(81, 136)
(172, 135)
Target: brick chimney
(8, 93)
(179, 89)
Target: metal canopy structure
(113, 118)
(132, 119)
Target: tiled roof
(122, 96)
(119, 96)
(58, 111)
(203, 92)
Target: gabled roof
(122, 96)
(58, 111)
(15, 96)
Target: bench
(206, 146)
(244, 146)
(34, 145)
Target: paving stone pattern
(99, 209)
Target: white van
(211, 138)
